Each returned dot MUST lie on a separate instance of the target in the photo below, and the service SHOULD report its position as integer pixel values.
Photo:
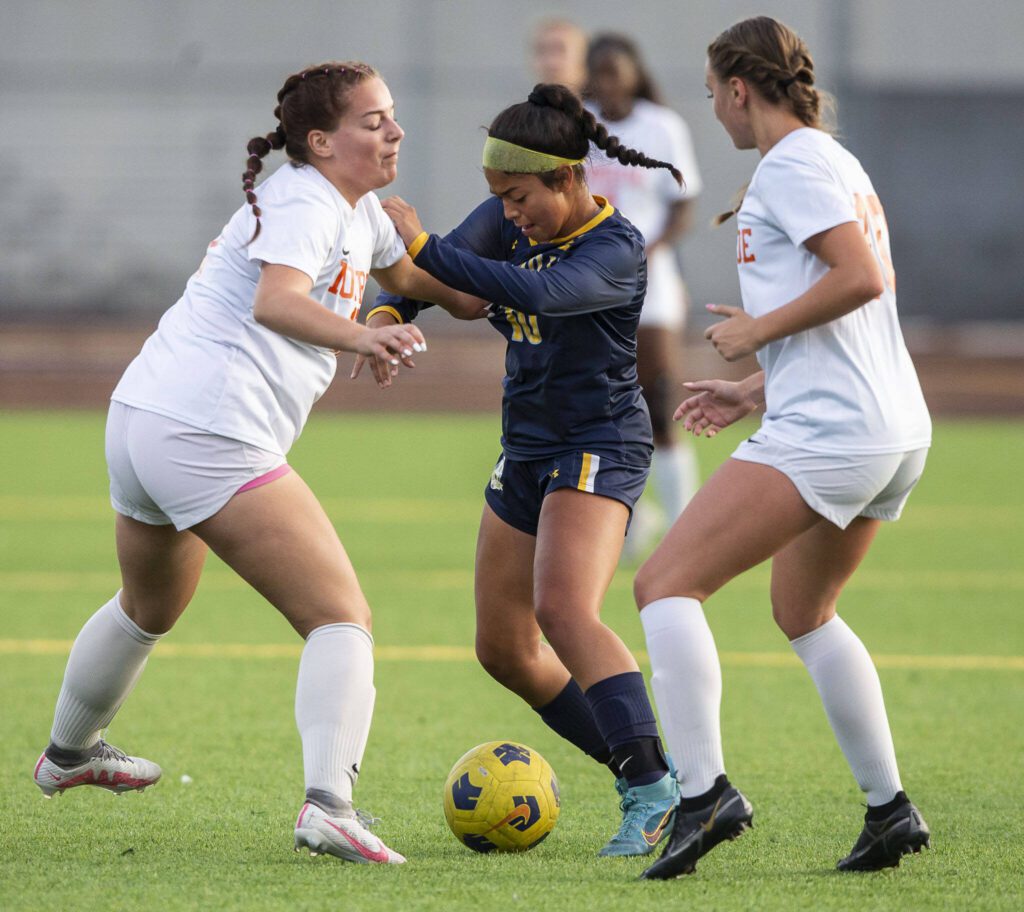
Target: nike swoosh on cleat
(652, 837)
(706, 827)
(369, 854)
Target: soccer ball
(501, 796)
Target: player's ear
(738, 89)
(565, 179)
(319, 143)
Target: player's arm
(406, 280)
(283, 304)
(479, 232)
(853, 278)
(599, 276)
(715, 404)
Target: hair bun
(536, 98)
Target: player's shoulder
(300, 184)
(613, 232)
(803, 150)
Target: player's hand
(716, 405)
(736, 336)
(386, 347)
(407, 222)
(379, 367)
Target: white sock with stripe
(687, 683)
(106, 660)
(848, 683)
(334, 705)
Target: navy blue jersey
(568, 309)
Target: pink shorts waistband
(266, 478)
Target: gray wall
(125, 125)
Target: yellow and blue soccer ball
(501, 797)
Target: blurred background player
(559, 53)
(198, 434)
(566, 277)
(622, 95)
(842, 443)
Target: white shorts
(163, 471)
(842, 487)
(665, 301)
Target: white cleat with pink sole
(107, 768)
(343, 837)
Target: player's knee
(798, 620)
(506, 666)
(561, 622)
(153, 615)
(652, 583)
(309, 617)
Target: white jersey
(210, 364)
(645, 195)
(847, 386)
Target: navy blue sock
(625, 719)
(569, 715)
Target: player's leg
(578, 544)
(508, 638)
(741, 516)
(279, 539)
(807, 578)
(160, 569)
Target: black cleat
(695, 833)
(882, 843)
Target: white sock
(105, 662)
(676, 477)
(849, 687)
(334, 704)
(687, 683)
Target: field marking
(467, 654)
(928, 580)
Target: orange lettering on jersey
(743, 252)
(876, 229)
(349, 284)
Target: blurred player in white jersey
(198, 434)
(622, 95)
(842, 443)
(559, 53)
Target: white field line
(466, 654)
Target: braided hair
(315, 98)
(553, 120)
(776, 63)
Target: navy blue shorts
(517, 488)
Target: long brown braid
(553, 120)
(315, 98)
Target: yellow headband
(505, 156)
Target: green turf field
(938, 603)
